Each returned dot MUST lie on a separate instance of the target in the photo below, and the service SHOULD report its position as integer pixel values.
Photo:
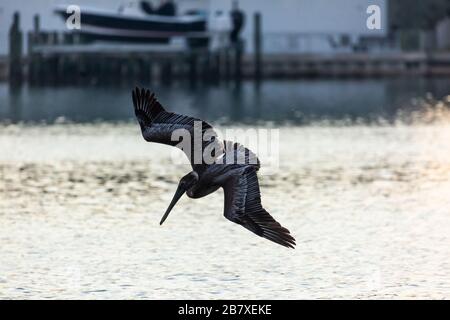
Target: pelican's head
(186, 183)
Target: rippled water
(295, 101)
(80, 208)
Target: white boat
(138, 27)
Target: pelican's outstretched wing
(158, 125)
(243, 206)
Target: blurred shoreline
(271, 103)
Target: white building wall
(286, 21)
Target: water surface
(296, 102)
(80, 208)
(363, 185)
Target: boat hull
(151, 29)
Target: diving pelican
(237, 178)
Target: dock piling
(238, 49)
(193, 70)
(15, 51)
(257, 45)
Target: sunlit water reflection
(368, 205)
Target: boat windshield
(166, 8)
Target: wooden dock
(106, 62)
(66, 58)
(356, 65)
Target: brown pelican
(237, 178)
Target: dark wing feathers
(146, 106)
(243, 206)
(157, 124)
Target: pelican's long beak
(180, 191)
